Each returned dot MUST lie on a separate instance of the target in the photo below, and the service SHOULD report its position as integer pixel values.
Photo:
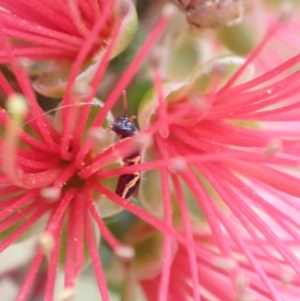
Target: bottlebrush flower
(57, 29)
(211, 164)
(43, 189)
(47, 37)
(229, 149)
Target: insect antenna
(124, 94)
(125, 104)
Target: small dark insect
(124, 127)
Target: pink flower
(44, 163)
(48, 36)
(43, 30)
(226, 157)
(213, 157)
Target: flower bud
(211, 13)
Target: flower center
(74, 182)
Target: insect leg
(132, 183)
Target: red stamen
(80, 202)
(17, 217)
(18, 204)
(46, 130)
(31, 275)
(84, 51)
(132, 69)
(54, 258)
(164, 285)
(5, 86)
(60, 210)
(95, 259)
(69, 269)
(144, 215)
(189, 235)
(270, 33)
(25, 227)
(162, 108)
(273, 178)
(265, 279)
(105, 232)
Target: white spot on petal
(125, 252)
(46, 242)
(51, 194)
(67, 294)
